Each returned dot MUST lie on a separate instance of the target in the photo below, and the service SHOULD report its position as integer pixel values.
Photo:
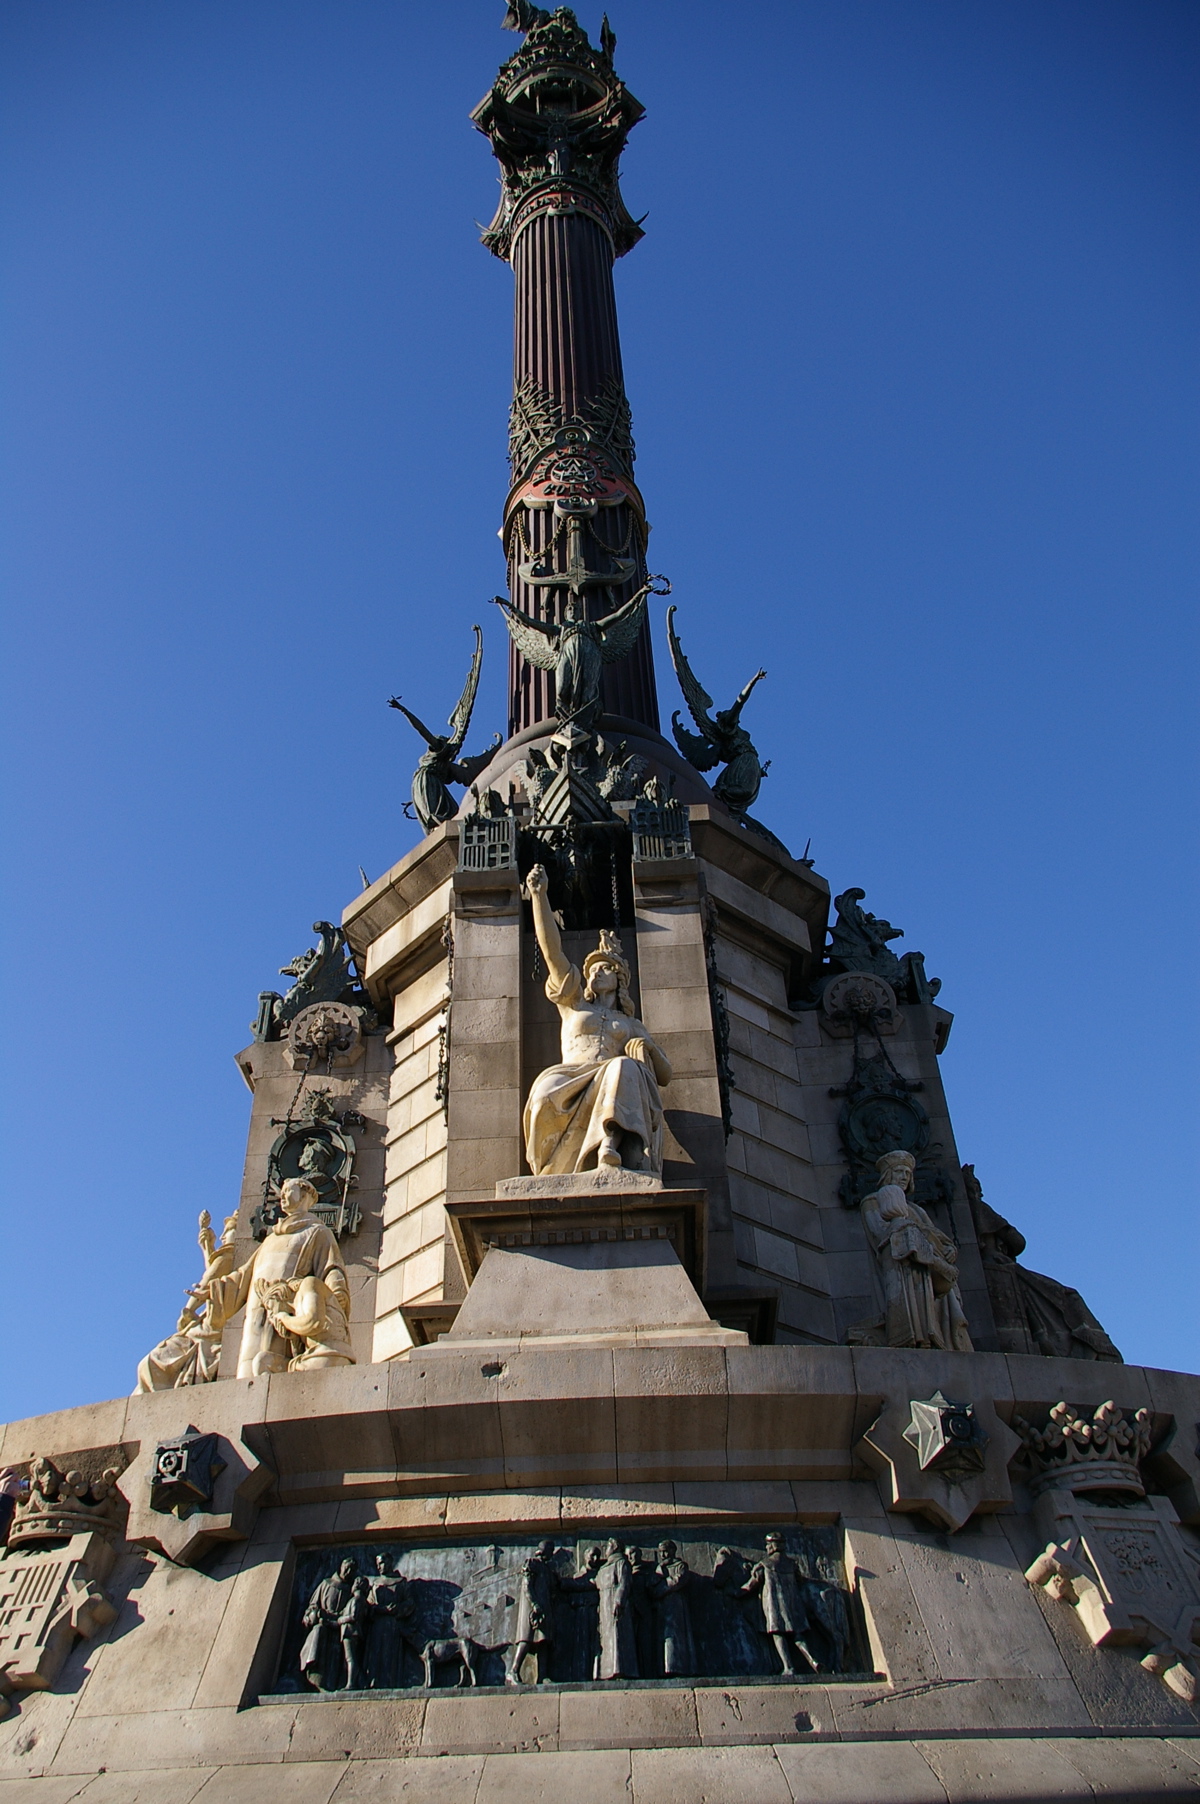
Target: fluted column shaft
(566, 344)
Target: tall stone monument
(611, 1383)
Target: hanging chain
(614, 550)
(532, 551)
(616, 892)
(308, 1059)
(442, 1087)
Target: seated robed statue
(601, 1107)
(295, 1293)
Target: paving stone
(311, 1783)
(453, 1779)
(1132, 1767)
(1006, 1769)
(596, 1777)
(45, 1791)
(178, 1786)
(708, 1776)
(855, 1772)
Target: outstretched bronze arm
(435, 741)
(747, 692)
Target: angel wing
(536, 640)
(700, 753)
(619, 631)
(460, 720)
(698, 699)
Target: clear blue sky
(911, 347)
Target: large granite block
(733, 1715)
(862, 1772)
(980, 1615)
(627, 1719)
(172, 1738)
(672, 1413)
(453, 1779)
(511, 1722)
(749, 1775)
(546, 1778)
(328, 1729)
(558, 1417)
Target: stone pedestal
(581, 1261)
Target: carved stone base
(605, 1181)
(614, 1268)
(50, 1597)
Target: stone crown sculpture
(61, 1504)
(1078, 1452)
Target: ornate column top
(557, 118)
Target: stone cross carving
(601, 1107)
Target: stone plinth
(604, 1181)
(593, 1217)
(621, 1265)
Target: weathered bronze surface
(323, 974)
(577, 650)
(722, 738)
(573, 1609)
(441, 764)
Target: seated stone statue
(917, 1262)
(601, 1107)
(295, 1292)
(192, 1354)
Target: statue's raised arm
(536, 640)
(442, 764)
(601, 1107)
(745, 694)
(546, 927)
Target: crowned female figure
(601, 1107)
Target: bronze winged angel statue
(577, 650)
(441, 764)
(722, 738)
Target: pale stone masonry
(274, 1084)
(776, 1220)
(983, 1688)
(667, 1457)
